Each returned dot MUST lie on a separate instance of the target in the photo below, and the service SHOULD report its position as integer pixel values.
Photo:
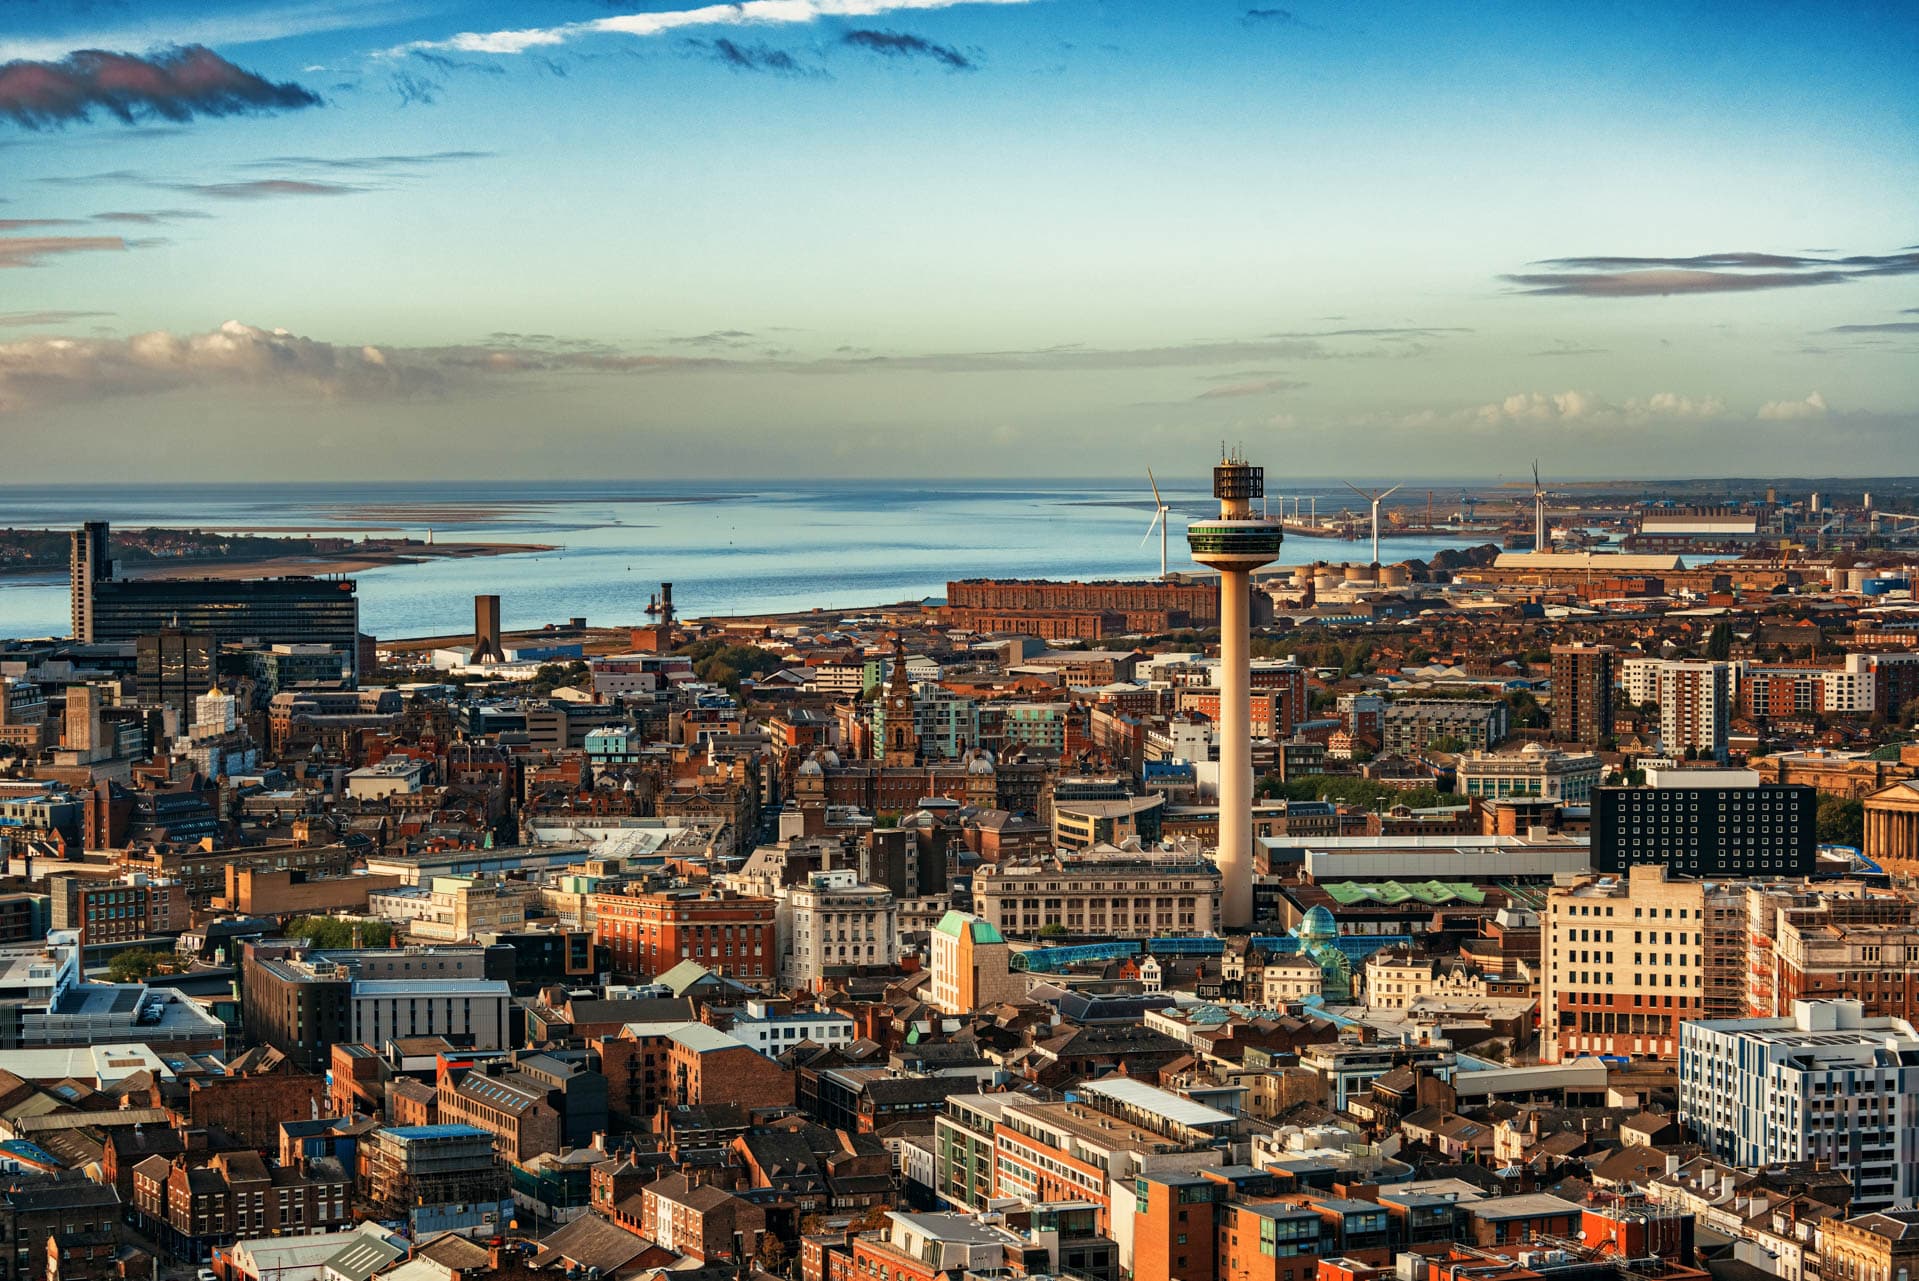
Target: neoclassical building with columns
(1892, 827)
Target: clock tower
(902, 746)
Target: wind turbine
(1375, 500)
(1539, 511)
(1159, 518)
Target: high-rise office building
(87, 563)
(267, 611)
(1582, 693)
(174, 667)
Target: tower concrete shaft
(1235, 544)
(1235, 750)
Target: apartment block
(1582, 704)
(1827, 1084)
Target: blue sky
(855, 237)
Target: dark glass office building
(172, 668)
(1768, 830)
(269, 611)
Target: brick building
(1078, 611)
(272, 891)
(36, 1210)
(236, 1195)
(1582, 706)
(511, 1106)
(702, 1222)
(127, 910)
(651, 1065)
(251, 1104)
(648, 934)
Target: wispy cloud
(44, 319)
(1884, 327)
(749, 57)
(745, 13)
(47, 370)
(1257, 387)
(1270, 18)
(266, 188)
(25, 224)
(32, 251)
(107, 178)
(179, 84)
(900, 44)
(414, 90)
(440, 62)
(717, 338)
(146, 217)
(208, 25)
(1738, 272)
(295, 175)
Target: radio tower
(1236, 544)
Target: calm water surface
(727, 548)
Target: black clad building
(1768, 830)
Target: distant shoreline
(282, 566)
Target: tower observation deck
(1236, 543)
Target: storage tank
(1395, 576)
(1856, 579)
(1326, 580)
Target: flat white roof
(1174, 1107)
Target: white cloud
(1813, 406)
(187, 26)
(46, 370)
(1587, 407)
(748, 13)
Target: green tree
(1719, 642)
(1351, 790)
(719, 663)
(137, 966)
(1841, 820)
(1526, 711)
(337, 931)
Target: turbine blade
(1154, 524)
(1357, 490)
(1157, 500)
(1389, 493)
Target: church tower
(902, 745)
